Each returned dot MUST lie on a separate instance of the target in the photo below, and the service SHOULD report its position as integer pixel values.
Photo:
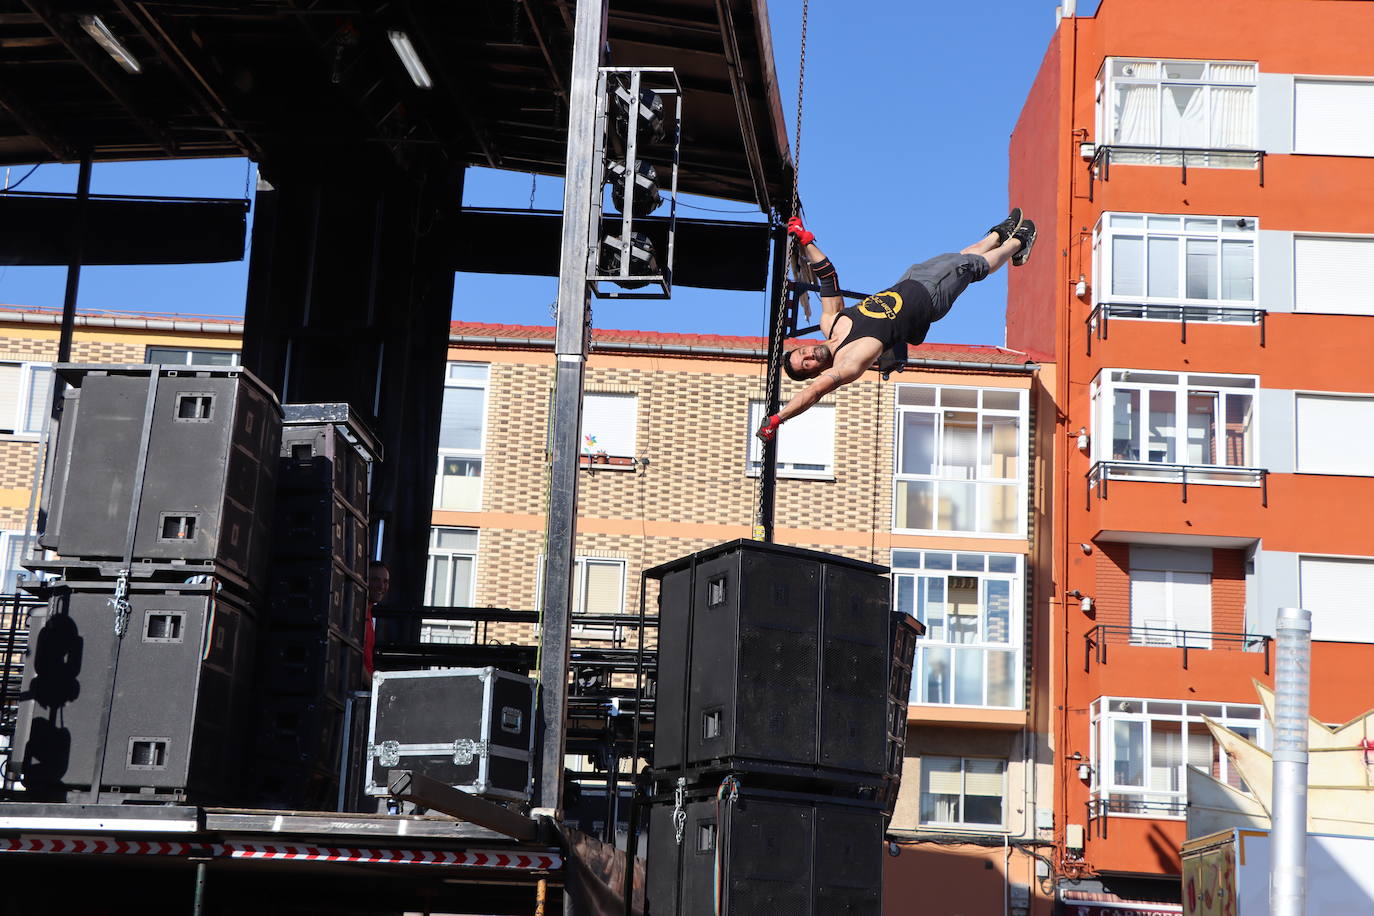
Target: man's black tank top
(895, 316)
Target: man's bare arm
(830, 305)
(807, 397)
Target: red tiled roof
(608, 337)
(16, 311)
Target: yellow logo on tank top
(883, 305)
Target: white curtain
(1135, 114)
(1183, 116)
(1233, 117)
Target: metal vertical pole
(768, 474)
(76, 250)
(1292, 680)
(581, 210)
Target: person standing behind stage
(378, 585)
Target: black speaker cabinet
(319, 458)
(775, 853)
(159, 713)
(197, 447)
(311, 664)
(905, 631)
(318, 595)
(773, 657)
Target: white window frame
(1164, 630)
(610, 632)
(600, 459)
(1327, 470)
(235, 356)
(961, 823)
(8, 541)
(1308, 79)
(453, 631)
(1222, 229)
(1103, 393)
(980, 484)
(1364, 306)
(17, 425)
(1325, 628)
(912, 575)
(1108, 80)
(1121, 799)
(819, 413)
(465, 454)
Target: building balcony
(1183, 475)
(1155, 661)
(1103, 157)
(1104, 640)
(1099, 321)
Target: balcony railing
(1159, 805)
(1099, 320)
(1099, 638)
(1100, 167)
(1182, 474)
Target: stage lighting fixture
(647, 198)
(98, 30)
(649, 110)
(643, 261)
(409, 58)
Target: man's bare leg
(996, 254)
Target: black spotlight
(643, 261)
(649, 111)
(647, 197)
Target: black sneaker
(1025, 234)
(1007, 227)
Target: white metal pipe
(1292, 682)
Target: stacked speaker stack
(316, 617)
(154, 522)
(774, 727)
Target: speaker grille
(776, 715)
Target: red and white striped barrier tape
(544, 861)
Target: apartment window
(1333, 117)
(806, 443)
(971, 606)
(598, 588)
(462, 433)
(1161, 260)
(450, 581)
(960, 459)
(1339, 591)
(1333, 274)
(25, 395)
(184, 356)
(608, 428)
(1171, 596)
(1335, 434)
(12, 545)
(1174, 104)
(1141, 749)
(1174, 419)
(963, 791)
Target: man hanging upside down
(902, 314)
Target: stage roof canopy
(290, 80)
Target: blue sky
(908, 111)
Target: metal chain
(120, 603)
(775, 380)
(679, 815)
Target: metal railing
(1099, 319)
(1183, 474)
(1100, 167)
(1096, 641)
(1099, 807)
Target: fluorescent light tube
(406, 52)
(97, 29)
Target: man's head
(378, 581)
(802, 363)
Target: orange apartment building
(936, 473)
(1203, 178)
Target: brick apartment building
(1203, 178)
(934, 473)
